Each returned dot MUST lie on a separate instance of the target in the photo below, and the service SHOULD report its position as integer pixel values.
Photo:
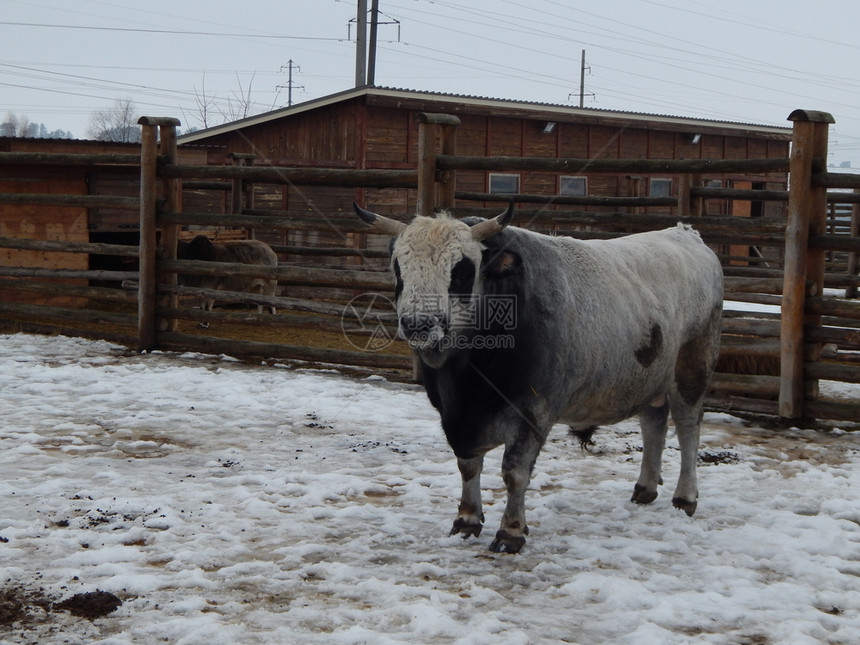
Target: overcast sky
(752, 61)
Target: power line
(180, 32)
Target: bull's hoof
(507, 543)
(688, 507)
(466, 528)
(642, 495)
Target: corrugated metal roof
(465, 100)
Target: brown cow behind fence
(237, 251)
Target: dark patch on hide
(477, 384)
(398, 281)
(462, 278)
(646, 354)
(696, 360)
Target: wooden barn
(375, 128)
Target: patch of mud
(23, 607)
(90, 605)
(715, 457)
(19, 605)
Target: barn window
(504, 183)
(570, 185)
(660, 187)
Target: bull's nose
(413, 324)
(421, 327)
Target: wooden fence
(791, 331)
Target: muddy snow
(185, 498)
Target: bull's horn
(380, 223)
(490, 227)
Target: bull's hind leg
(687, 420)
(653, 420)
(470, 517)
(693, 371)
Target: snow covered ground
(229, 503)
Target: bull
(598, 331)
(238, 251)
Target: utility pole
(365, 64)
(361, 45)
(582, 80)
(582, 94)
(291, 65)
(374, 28)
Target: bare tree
(211, 110)
(204, 105)
(240, 105)
(118, 123)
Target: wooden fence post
(169, 232)
(851, 290)
(807, 213)
(148, 268)
(427, 131)
(148, 195)
(449, 177)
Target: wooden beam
(807, 208)
(426, 168)
(146, 300)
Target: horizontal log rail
(280, 302)
(645, 166)
(712, 192)
(740, 284)
(637, 221)
(68, 159)
(311, 276)
(836, 180)
(40, 312)
(296, 175)
(750, 327)
(834, 372)
(185, 342)
(835, 243)
(84, 201)
(845, 338)
(122, 250)
(69, 290)
(333, 251)
(333, 324)
(566, 200)
(67, 274)
(832, 307)
(745, 384)
(744, 347)
(823, 409)
(337, 225)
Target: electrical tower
(290, 66)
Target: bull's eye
(398, 285)
(462, 278)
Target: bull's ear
(501, 263)
(380, 223)
(492, 226)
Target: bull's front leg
(517, 464)
(470, 517)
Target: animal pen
(798, 272)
